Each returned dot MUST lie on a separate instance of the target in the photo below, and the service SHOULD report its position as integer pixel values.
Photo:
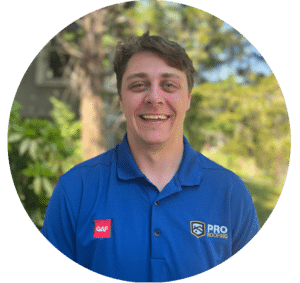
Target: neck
(159, 162)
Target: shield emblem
(198, 228)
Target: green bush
(40, 151)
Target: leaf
(14, 137)
(37, 185)
(29, 171)
(33, 170)
(24, 146)
(47, 171)
(18, 128)
(30, 133)
(33, 149)
(47, 186)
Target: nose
(154, 95)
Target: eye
(140, 86)
(170, 86)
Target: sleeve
(59, 224)
(245, 223)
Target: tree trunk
(92, 107)
(93, 134)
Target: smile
(154, 117)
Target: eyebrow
(144, 75)
(137, 75)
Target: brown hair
(174, 55)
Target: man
(151, 209)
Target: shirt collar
(188, 174)
(190, 171)
(126, 164)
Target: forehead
(150, 64)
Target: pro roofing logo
(217, 231)
(198, 228)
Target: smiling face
(154, 98)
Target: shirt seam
(72, 215)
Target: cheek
(178, 104)
(129, 107)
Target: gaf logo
(198, 228)
(102, 228)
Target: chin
(155, 138)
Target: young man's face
(154, 98)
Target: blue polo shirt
(107, 216)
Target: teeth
(155, 117)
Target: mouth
(154, 117)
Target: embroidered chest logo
(198, 228)
(102, 228)
(217, 231)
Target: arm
(59, 224)
(244, 218)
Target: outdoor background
(66, 108)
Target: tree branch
(68, 48)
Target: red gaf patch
(102, 228)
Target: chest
(180, 229)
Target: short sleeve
(59, 224)
(245, 223)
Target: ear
(121, 102)
(189, 100)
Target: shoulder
(88, 172)
(215, 170)
(101, 161)
(221, 175)
(104, 159)
(227, 183)
(208, 164)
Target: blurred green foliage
(251, 119)
(245, 128)
(246, 124)
(39, 152)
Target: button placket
(156, 231)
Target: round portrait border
(272, 29)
